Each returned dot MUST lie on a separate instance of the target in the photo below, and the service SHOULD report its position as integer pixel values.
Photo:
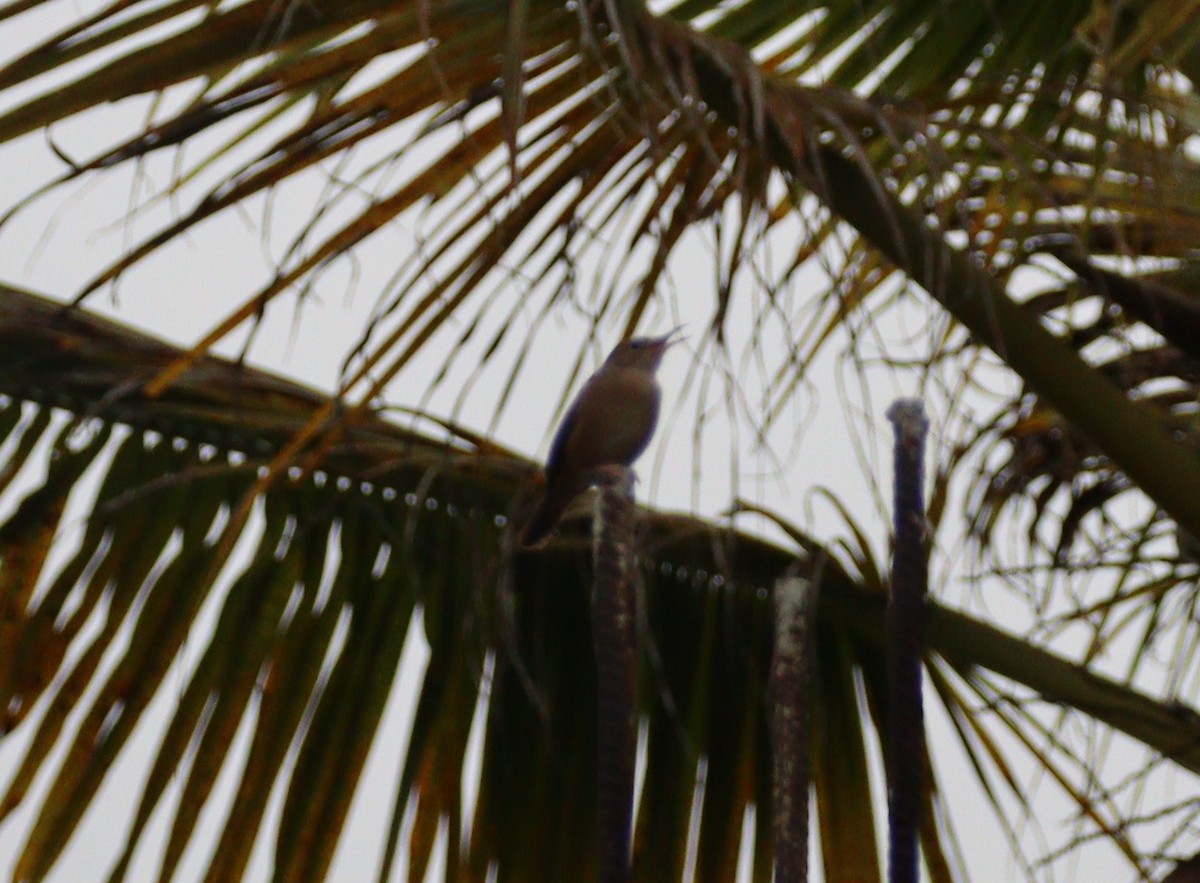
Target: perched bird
(609, 424)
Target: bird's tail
(544, 519)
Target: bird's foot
(614, 475)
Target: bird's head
(643, 352)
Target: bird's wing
(558, 447)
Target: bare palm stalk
(615, 638)
(795, 606)
(905, 642)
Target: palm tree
(1030, 169)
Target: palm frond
(302, 633)
(957, 146)
(1005, 160)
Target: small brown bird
(609, 424)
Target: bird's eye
(637, 344)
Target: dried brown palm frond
(634, 131)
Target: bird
(609, 424)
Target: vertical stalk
(795, 605)
(615, 640)
(905, 642)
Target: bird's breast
(615, 417)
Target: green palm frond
(306, 626)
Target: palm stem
(615, 638)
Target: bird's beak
(673, 336)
